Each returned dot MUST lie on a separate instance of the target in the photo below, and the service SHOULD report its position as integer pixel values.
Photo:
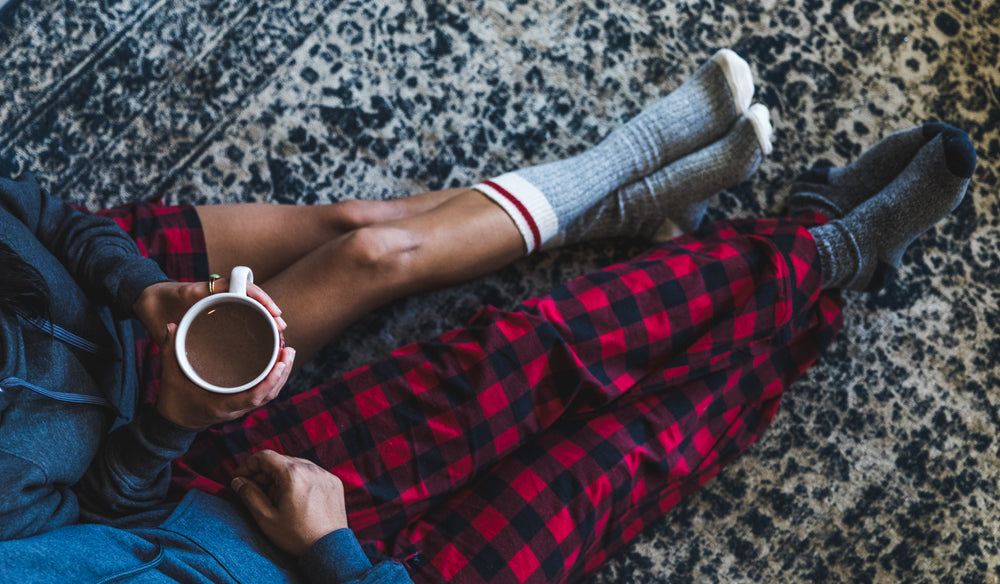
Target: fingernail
(291, 354)
(236, 483)
(282, 323)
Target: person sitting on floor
(526, 447)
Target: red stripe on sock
(521, 209)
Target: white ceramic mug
(238, 281)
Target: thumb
(254, 499)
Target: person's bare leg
(344, 279)
(269, 237)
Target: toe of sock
(959, 153)
(738, 76)
(760, 118)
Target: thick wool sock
(673, 199)
(835, 191)
(542, 199)
(863, 250)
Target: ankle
(839, 254)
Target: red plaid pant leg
(555, 509)
(558, 507)
(415, 433)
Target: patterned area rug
(882, 464)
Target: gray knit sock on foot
(543, 199)
(863, 250)
(673, 199)
(835, 191)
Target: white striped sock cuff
(527, 206)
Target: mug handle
(239, 279)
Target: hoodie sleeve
(337, 558)
(100, 256)
(131, 471)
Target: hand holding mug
(166, 302)
(226, 343)
(187, 405)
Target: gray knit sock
(835, 191)
(673, 199)
(542, 199)
(863, 250)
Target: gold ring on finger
(211, 282)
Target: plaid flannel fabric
(532, 444)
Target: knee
(348, 215)
(379, 251)
(352, 214)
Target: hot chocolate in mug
(228, 342)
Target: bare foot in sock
(544, 199)
(685, 186)
(673, 199)
(863, 250)
(836, 191)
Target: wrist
(164, 426)
(144, 303)
(335, 557)
(176, 417)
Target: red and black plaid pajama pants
(531, 445)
